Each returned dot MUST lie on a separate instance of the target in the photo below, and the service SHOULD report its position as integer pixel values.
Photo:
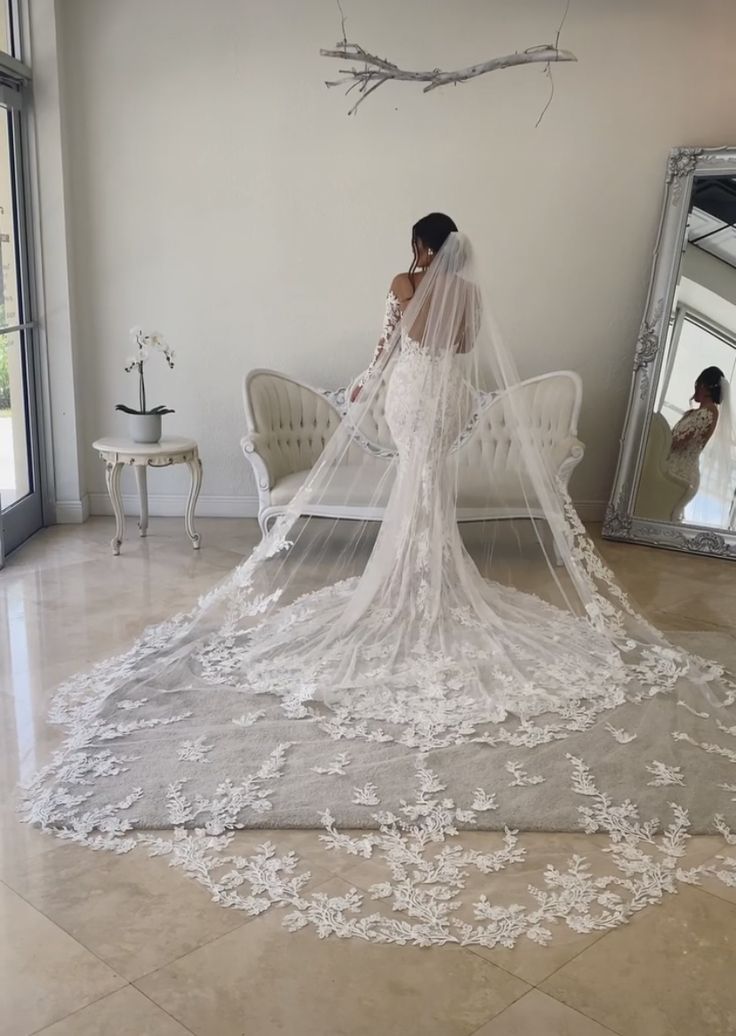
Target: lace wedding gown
(456, 697)
(689, 438)
(421, 638)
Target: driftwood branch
(376, 71)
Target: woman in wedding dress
(693, 432)
(364, 644)
(438, 670)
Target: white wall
(220, 193)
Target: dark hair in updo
(432, 230)
(710, 380)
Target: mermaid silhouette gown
(421, 637)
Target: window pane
(9, 312)
(698, 348)
(15, 479)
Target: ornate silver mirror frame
(620, 522)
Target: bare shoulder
(402, 287)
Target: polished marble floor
(95, 943)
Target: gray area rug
(259, 768)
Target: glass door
(21, 511)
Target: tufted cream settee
(289, 424)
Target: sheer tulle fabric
(364, 640)
(398, 634)
(712, 471)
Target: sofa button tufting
(493, 445)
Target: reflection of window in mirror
(694, 485)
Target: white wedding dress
(703, 455)
(689, 438)
(420, 638)
(441, 678)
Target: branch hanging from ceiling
(376, 71)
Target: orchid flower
(143, 342)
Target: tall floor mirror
(675, 485)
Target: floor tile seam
(77, 1010)
(107, 963)
(214, 939)
(61, 928)
(614, 1032)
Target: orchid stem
(141, 383)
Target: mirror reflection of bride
(693, 432)
(702, 453)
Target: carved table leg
(195, 468)
(140, 477)
(112, 477)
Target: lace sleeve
(391, 320)
(694, 424)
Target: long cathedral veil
(431, 656)
(715, 502)
(444, 371)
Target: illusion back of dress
(689, 437)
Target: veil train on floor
(414, 682)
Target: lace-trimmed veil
(715, 502)
(405, 639)
(451, 372)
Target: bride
(434, 660)
(705, 434)
(421, 637)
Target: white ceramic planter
(144, 427)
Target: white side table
(118, 453)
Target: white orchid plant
(145, 343)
